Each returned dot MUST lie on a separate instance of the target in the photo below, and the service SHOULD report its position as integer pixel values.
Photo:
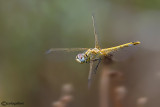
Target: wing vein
(66, 49)
(95, 33)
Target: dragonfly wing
(66, 50)
(93, 68)
(95, 33)
(90, 74)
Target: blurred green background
(30, 27)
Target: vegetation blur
(28, 28)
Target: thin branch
(105, 83)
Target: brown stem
(104, 83)
(104, 88)
(141, 102)
(120, 94)
(66, 97)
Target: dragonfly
(92, 55)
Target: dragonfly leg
(99, 60)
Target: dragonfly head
(81, 58)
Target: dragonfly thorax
(82, 58)
(95, 50)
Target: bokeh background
(30, 27)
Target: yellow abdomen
(108, 51)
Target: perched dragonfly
(91, 55)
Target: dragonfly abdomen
(127, 45)
(108, 51)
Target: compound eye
(77, 57)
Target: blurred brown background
(30, 27)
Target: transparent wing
(66, 49)
(95, 33)
(93, 68)
(90, 74)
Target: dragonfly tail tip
(138, 42)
